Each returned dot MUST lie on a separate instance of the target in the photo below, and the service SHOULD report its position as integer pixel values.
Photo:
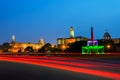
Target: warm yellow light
(53, 46)
(63, 47)
(108, 46)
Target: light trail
(67, 61)
(59, 65)
(71, 62)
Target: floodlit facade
(107, 36)
(21, 46)
(63, 43)
(116, 40)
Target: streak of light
(35, 61)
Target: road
(56, 68)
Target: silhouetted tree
(76, 46)
(19, 51)
(45, 48)
(5, 47)
(29, 49)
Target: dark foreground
(21, 71)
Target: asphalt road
(21, 71)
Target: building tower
(41, 41)
(71, 32)
(13, 38)
(106, 36)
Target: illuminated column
(92, 34)
(13, 38)
(71, 32)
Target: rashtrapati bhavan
(21, 46)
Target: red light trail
(66, 64)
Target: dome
(41, 41)
(106, 36)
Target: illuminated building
(21, 46)
(106, 36)
(111, 44)
(117, 43)
(116, 40)
(64, 43)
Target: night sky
(30, 20)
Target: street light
(108, 46)
(63, 47)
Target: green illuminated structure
(93, 50)
(92, 46)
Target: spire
(71, 32)
(92, 34)
(13, 38)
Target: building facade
(63, 43)
(107, 36)
(21, 46)
(115, 44)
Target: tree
(19, 51)
(45, 48)
(5, 47)
(76, 46)
(29, 49)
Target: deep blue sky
(30, 20)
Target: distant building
(107, 36)
(116, 41)
(64, 43)
(21, 46)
